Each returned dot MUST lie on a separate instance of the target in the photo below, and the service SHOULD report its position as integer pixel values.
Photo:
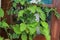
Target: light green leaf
(1, 12)
(39, 9)
(16, 1)
(24, 36)
(32, 8)
(5, 25)
(16, 29)
(48, 37)
(34, 24)
(45, 24)
(1, 38)
(32, 30)
(22, 2)
(21, 12)
(22, 27)
(42, 14)
(46, 31)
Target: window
(43, 1)
(47, 1)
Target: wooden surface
(55, 22)
(6, 4)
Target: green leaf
(22, 2)
(46, 31)
(16, 29)
(24, 36)
(34, 24)
(14, 5)
(15, 36)
(1, 12)
(57, 15)
(46, 9)
(39, 10)
(4, 25)
(21, 12)
(16, 1)
(32, 8)
(22, 27)
(48, 37)
(32, 30)
(45, 24)
(41, 29)
(1, 38)
(42, 14)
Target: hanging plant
(25, 12)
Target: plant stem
(7, 33)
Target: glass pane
(43, 1)
(47, 1)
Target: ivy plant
(25, 12)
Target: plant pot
(40, 37)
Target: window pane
(43, 1)
(47, 1)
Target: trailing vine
(25, 12)
(26, 22)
